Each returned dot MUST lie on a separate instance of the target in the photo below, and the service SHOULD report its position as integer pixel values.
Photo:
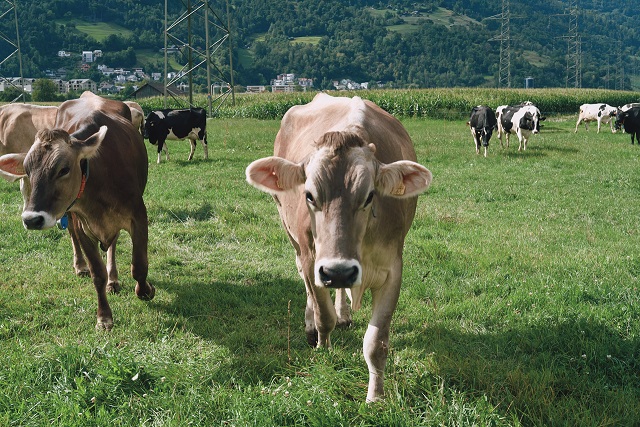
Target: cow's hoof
(312, 337)
(104, 324)
(114, 287)
(82, 271)
(344, 324)
(145, 294)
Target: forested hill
(403, 43)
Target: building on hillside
(256, 89)
(87, 56)
(81, 85)
(154, 89)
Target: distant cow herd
(524, 119)
(344, 177)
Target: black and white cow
(630, 120)
(482, 123)
(523, 120)
(601, 113)
(177, 125)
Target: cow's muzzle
(37, 220)
(338, 274)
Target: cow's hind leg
(113, 286)
(343, 310)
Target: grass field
(97, 30)
(519, 303)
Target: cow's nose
(33, 222)
(339, 276)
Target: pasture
(520, 301)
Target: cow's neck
(63, 222)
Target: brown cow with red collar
(345, 180)
(71, 169)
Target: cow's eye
(63, 172)
(369, 199)
(310, 198)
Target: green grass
(312, 40)
(97, 30)
(519, 303)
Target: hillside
(432, 43)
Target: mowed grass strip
(519, 303)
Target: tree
(44, 90)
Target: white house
(87, 56)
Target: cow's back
(19, 124)
(72, 113)
(302, 125)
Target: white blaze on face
(44, 219)
(336, 197)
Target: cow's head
(151, 126)
(340, 185)
(620, 118)
(531, 120)
(52, 168)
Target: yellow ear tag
(399, 190)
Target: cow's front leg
(162, 145)
(99, 276)
(193, 149)
(320, 315)
(79, 263)
(205, 148)
(113, 286)
(140, 263)
(375, 345)
(324, 315)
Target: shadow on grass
(203, 213)
(249, 315)
(574, 372)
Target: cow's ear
(274, 174)
(89, 147)
(542, 118)
(12, 167)
(402, 179)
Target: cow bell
(63, 222)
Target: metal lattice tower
(14, 42)
(201, 10)
(619, 78)
(574, 48)
(504, 72)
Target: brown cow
(137, 115)
(19, 124)
(71, 169)
(345, 181)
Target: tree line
(399, 43)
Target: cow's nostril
(339, 276)
(324, 277)
(34, 223)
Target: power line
(222, 36)
(14, 42)
(504, 71)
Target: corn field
(453, 103)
